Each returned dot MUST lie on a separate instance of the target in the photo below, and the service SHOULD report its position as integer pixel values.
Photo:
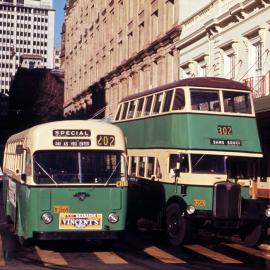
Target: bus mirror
(19, 149)
(23, 177)
(177, 172)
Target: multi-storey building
(231, 39)
(26, 28)
(56, 58)
(117, 47)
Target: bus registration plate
(61, 209)
(74, 221)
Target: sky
(58, 5)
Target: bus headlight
(113, 218)
(267, 212)
(190, 209)
(47, 218)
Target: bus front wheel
(177, 225)
(253, 236)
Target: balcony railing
(259, 85)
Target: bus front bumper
(83, 235)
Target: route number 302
(105, 140)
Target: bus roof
(42, 137)
(212, 82)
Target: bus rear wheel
(177, 225)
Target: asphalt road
(136, 251)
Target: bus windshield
(208, 164)
(78, 167)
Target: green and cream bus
(66, 180)
(193, 152)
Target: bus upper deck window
(118, 113)
(238, 102)
(124, 113)
(205, 100)
(168, 101)
(158, 101)
(148, 105)
(179, 99)
(139, 107)
(131, 109)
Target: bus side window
(168, 101)
(142, 161)
(124, 112)
(158, 101)
(148, 105)
(150, 166)
(179, 99)
(28, 168)
(183, 159)
(133, 166)
(131, 110)
(139, 107)
(118, 113)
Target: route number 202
(105, 140)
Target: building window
(258, 49)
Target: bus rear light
(47, 218)
(113, 218)
(190, 209)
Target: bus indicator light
(122, 183)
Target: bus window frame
(123, 110)
(119, 112)
(131, 114)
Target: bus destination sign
(72, 143)
(225, 142)
(71, 133)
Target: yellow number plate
(61, 209)
(199, 202)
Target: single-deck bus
(193, 150)
(66, 180)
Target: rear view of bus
(66, 180)
(194, 151)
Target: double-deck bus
(66, 180)
(193, 151)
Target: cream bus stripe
(50, 257)
(162, 255)
(212, 254)
(251, 251)
(2, 260)
(110, 258)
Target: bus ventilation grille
(227, 201)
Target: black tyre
(178, 227)
(253, 236)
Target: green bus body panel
(148, 199)
(33, 201)
(191, 131)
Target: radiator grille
(227, 200)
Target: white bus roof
(70, 134)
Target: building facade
(117, 47)
(26, 28)
(231, 39)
